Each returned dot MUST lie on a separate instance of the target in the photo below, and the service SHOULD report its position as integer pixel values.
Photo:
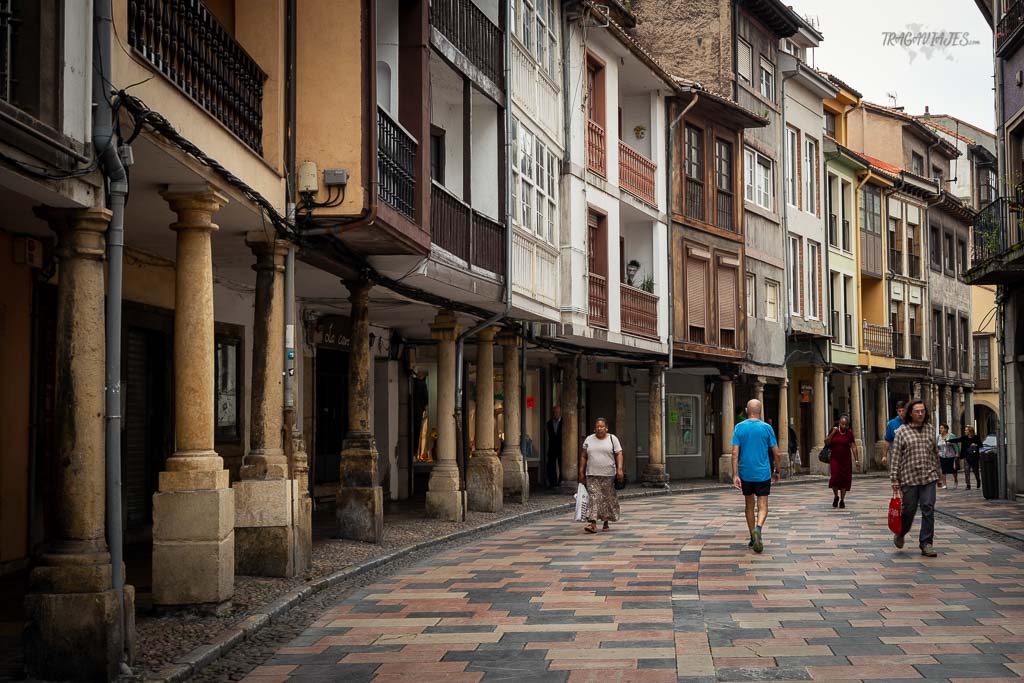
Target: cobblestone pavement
(672, 593)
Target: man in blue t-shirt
(753, 447)
(890, 430)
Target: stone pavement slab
(672, 593)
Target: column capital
(270, 252)
(486, 335)
(80, 231)
(784, 383)
(507, 337)
(656, 367)
(358, 290)
(445, 326)
(195, 205)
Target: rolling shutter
(727, 298)
(696, 292)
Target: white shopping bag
(582, 503)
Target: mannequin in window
(632, 268)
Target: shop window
(229, 400)
(683, 419)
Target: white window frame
(771, 288)
(810, 174)
(535, 206)
(751, 301)
(765, 183)
(767, 79)
(749, 175)
(813, 268)
(792, 153)
(744, 58)
(794, 275)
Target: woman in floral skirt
(600, 466)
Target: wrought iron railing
(723, 216)
(914, 266)
(998, 227)
(727, 338)
(878, 339)
(470, 235)
(597, 300)
(396, 165)
(639, 311)
(834, 327)
(185, 42)
(1011, 21)
(597, 148)
(695, 199)
(472, 33)
(636, 173)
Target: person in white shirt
(600, 466)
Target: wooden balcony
(639, 311)
(186, 43)
(597, 147)
(636, 174)
(467, 234)
(396, 165)
(473, 34)
(878, 340)
(695, 200)
(597, 300)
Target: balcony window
(759, 185)
(814, 279)
(950, 254)
(810, 188)
(965, 337)
(871, 210)
(792, 155)
(982, 363)
(597, 267)
(695, 173)
(723, 183)
(986, 186)
(767, 79)
(895, 242)
(830, 124)
(795, 263)
(771, 301)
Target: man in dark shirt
(554, 449)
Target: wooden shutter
(727, 298)
(696, 292)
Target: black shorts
(757, 488)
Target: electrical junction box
(335, 176)
(306, 180)
(28, 251)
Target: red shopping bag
(896, 515)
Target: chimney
(926, 109)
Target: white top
(601, 455)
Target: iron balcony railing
(725, 209)
(846, 235)
(396, 165)
(998, 227)
(695, 199)
(848, 329)
(914, 266)
(185, 42)
(898, 348)
(473, 34)
(597, 300)
(878, 339)
(1011, 22)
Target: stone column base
(193, 547)
(863, 459)
(361, 513)
(303, 558)
(725, 468)
(266, 532)
(76, 636)
(516, 487)
(817, 466)
(654, 478)
(449, 506)
(484, 482)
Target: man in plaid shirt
(913, 471)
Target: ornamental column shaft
(727, 417)
(783, 428)
(360, 502)
(445, 500)
(484, 477)
(74, 624)
(857, 415)
(818, 422)
(193, 511)
(515, 482)
(654, 473)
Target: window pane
(683, 419)
(226, 368)
(748, 172)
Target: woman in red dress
(844, 454)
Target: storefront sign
(334, 331)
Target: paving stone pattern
(672, 593)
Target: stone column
(944, 412)
(655, 474)
(194, 509)
(881, 418)
(445, 500)
(819, 424)
(74, 625)
(727, 417)
(759, 390)
(857, 416)
(570, 422)
(958, 409)
(917, 391)
(360, 501)
(484, 478)
(783, 428)
(265, 497)
(515, 481)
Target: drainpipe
(504, 313)
(117, 185)
(1004, 483)
(290, 412)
